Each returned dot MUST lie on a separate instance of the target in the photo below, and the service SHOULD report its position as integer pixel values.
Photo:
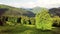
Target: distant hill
(36, 9)
(54, 11)
(12, 11)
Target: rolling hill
(13, 11)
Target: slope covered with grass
(12, 11)
(20, 29)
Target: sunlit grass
(22, 29)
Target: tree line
(45, 19)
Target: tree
(43, 20)
(56, 21)
(11, 20)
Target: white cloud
(48, 3)
(33, 3)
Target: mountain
(54, 11)
(12, 11)
(36, 9)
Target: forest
(33, 21)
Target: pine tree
(43, 20)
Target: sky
(31, 3)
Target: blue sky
(31, 3)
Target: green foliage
(56, 20)
(27, 20)
(32, 20)
(43, 20)
(23, 21)
(11, 21)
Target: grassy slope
(19, 29)
(8, 10)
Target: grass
(23, 29)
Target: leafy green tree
(43, 20)
(56, 20)
(32, 19)
(11, 20)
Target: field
(25, 29)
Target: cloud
(48, 3)
(32, 3)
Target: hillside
(12, 11)
(54, 11)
